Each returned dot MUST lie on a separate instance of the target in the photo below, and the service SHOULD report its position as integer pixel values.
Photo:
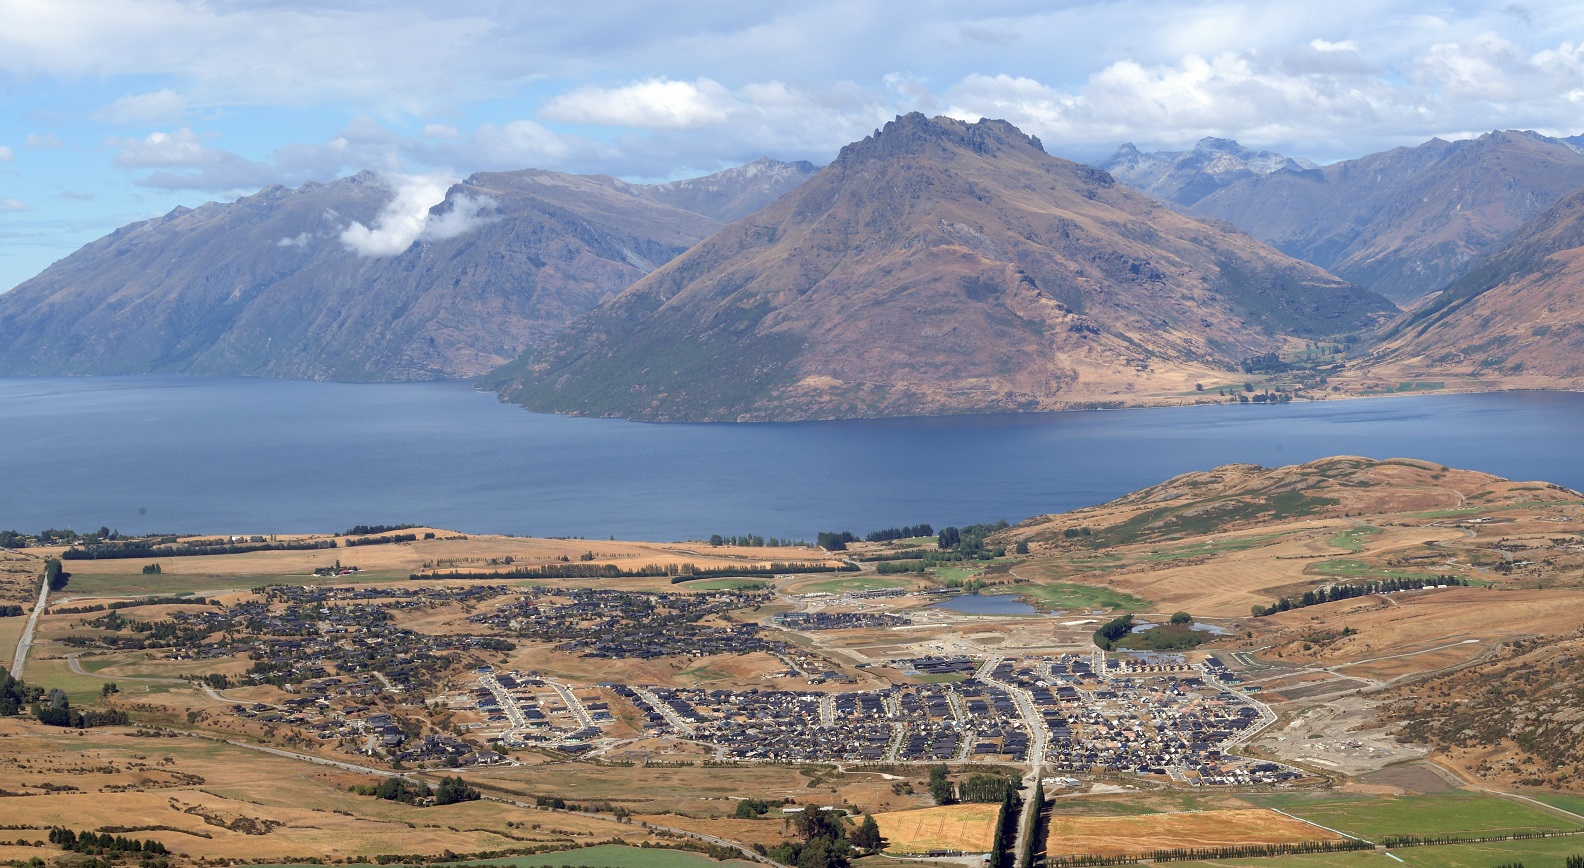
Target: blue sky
(116, 111)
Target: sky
(120, 110)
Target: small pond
(986, 604)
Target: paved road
(25, 643)
(1038, 737)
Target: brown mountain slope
(1238, 496)
(1515, 321)
(265, 287)
(1511, 719)
(936, 267)
(1408, 221)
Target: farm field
(1456, 813)
(1143, 833)
(1535, 853)
(968, 828)
(216, 801)
(598, 856)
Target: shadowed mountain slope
(1519, 315)
(1408, 221)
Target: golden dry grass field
(969, 828)
(206, 799)
(449, 551)
(1141, 834)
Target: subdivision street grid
(1152, 715)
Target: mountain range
(1185, 177)
(936, 267)
(1517, 319)
(1408, 221)
(268, 285)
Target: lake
(224, 455)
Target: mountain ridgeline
(1518, 314)
(266, 286)
(936, 267)
(1408, 221)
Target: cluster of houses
(597, 622)
(1172, 720)
(930, 722)
(299, 634)
(519, 710)
(333, 710)
(1155, 715)
(840, 620)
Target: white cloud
(516, 144)
(301, 239)
(180, 149)
(1318, 95)
(6, 154)
(11, 206)
(655, 103)
(145, 108)
(41, 141)
(440, 131)
(403, 220)
(466, 213)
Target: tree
(1021, 547)
(55, 710)
(1181, 619)
(54, 575)
(1113, 631)
(867, 835)
(941, 789)
(453, 790)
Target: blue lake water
(986, 604)
(218, 455)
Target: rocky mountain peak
(914, 133)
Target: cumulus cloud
(656, 103)
(182, 161)
(402, 221)
(6, 154)
(1309, 95)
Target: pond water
(986, 604)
